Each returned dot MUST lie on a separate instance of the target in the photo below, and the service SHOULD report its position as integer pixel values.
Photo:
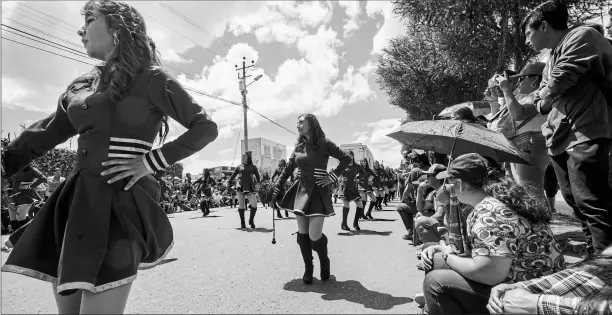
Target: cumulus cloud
(353, 10)
(382, 147)
(390, 28)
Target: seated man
(558, 293)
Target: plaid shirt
(560, 292)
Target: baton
(273, 225)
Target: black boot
(241, 213)
(320, 246)
(252, 217)
(304, 241)
(379, 203)
(362, 214)
(286, 213)
(369, 214)
(278, 214)
(358, 214)
(345, 212)
(15, 225)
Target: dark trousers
(448, 292)
(583, 178)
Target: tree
(451, 48)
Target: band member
(24, 195)
(105, 222)
(365, 188)
(245, 188)
(277, 173)
(377, 186)
(349, 180)
(204, 187)
(309, 198)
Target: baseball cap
(471, 167)
(435, 169)
(535, 68)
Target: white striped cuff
(333, 177)
(155, 161)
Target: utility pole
(243, 90)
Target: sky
(314, 57)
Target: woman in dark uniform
(245, 189)
(377, 189)
(309, 198)
(204, 187)
(277, 173)
(24, 195)
(365, 189)
(105, 222)
(350, 192)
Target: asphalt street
(215, 267)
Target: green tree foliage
(451, 48)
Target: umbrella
(454, 138)
(478, 108)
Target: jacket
(575, 82)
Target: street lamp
(256, 79)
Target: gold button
(83, 152)
(85, 106)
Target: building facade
(266, 154)
(360, 150)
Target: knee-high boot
(286, 213)
(358, 214)
(252, 216)
(241, 213)
(345, 212)
(369, 214)
(379, 202)
(304, 241)
(320, 246)
(362, 215)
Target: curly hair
(519, 199)
(282, 162)
(249, 158)
(135, 52)
(316, 132)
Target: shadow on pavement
(380, 220)
(365, 232)
(208, 216)
(349, 290)
(260, 230)
(283, 219)
(169, 260)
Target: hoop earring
(116, 40)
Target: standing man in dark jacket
(576, 95)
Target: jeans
(407, 213)
(448, 292)
(582, 173)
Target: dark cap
(470, 167)
(435, 169)
(535, 68)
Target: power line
(54, 20)
(46, 24)
(18, 30)
(272, 121)
(42, 32)
(48, 15)
(18, 42)
(169, 8)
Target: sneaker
(419, 299)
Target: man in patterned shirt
(555, 294)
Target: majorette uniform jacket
(24, 184)
(245, 181)
(305, 196)
(364, 179)
(350, 178)
(93, 235)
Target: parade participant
(365, 189)
(377, 186)
(54, 182)
(24, 195)
(204, 187)
(309, 198)
(245, 188)
(350, 192)
(105, 222)
(277, 173)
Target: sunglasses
(520, 79)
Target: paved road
(216, 268)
